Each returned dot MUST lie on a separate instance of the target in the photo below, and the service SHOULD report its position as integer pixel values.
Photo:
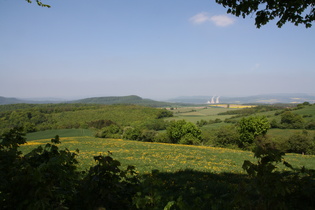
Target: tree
(39, 3)
(180, 129)
(300, 143)
(251, 127)
(294, 11)
(291, 120)
(226, 136)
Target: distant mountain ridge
(263, 99)
(4, 100)
(132, 99)
(184, 100)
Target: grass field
(61, 132)
(285, 133)
(194, 114)
(164, 157)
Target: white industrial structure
(214, 100)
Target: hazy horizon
(153, 49)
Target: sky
(157, 49)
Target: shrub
(106, 186)
(269, 188)
(310, 125)
(178, 129)
(162, 137)
(226, 136)
(189, 139)
(131, 133)
(251, 127)
(111, 131)
(147, 135)
(291, 120)
(300, 143)
(47, 178)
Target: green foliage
(111, 131)
(269, 188)
(164, 113)
(251, 127)
(189, 138)
(300, 143)
(131, 133)
(98, 124)
(162, 137)
(294, 11)
(252, 110)
(135, 133)
(47, 178)
(148, 135)
(310, 125)
(106, 186)
(226, 136)
(291, 120)
(186, 189)
(179, 129)
(66, 116)
(155, 124)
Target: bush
(111, 131)
(251, 127)
(106, 186)
(291, 120)
(226, 136)
(300, 143)
(269, 188)
(310, 125)
(47, 178)
(274, 124)
(162, 137)
(131, 133)
(178, 129)
(189, 139)
(147, 135)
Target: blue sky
(156, 49)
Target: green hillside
(65, 116)
(132, 99)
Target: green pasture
(61, 133)
(307, 110)
(286, 133)
(194, 114)
(168, 158)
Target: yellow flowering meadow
(146, 156)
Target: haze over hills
(264, 99)
(183, 100)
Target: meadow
(194, 114)
(193, 177)
(146, 156)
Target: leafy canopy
(294, 11)
(251, 127)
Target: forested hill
(132, 99)
(4, 100)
